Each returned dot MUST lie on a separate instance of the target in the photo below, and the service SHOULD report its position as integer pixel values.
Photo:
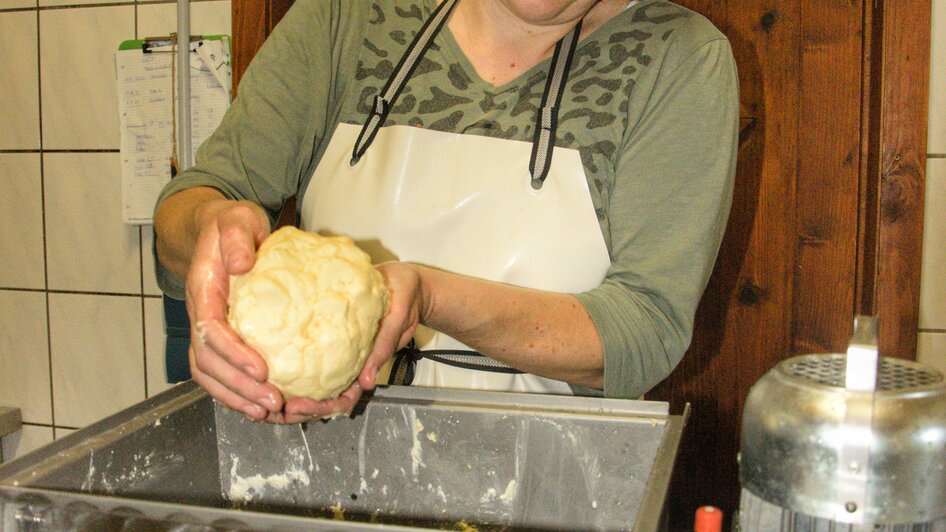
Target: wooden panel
(828, 195)
(745, 317)
(900, 178)
(253, 20)
(828, 176)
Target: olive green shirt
(651, 105)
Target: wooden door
(827, 213)
(252, 22)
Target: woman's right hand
(231, 371)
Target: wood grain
(803, 251)
(828, 176)
(252, 21)
(900, 174)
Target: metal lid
(844, 437)
(895, 375)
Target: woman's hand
(406, 308)
(231, 371)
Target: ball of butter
(310, 305)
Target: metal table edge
(100, 433)
(652, 508)
(172, 513)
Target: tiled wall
(80, 315)
(81, 325)
(931, 347)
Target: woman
(553, 179)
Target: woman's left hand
(406, 308)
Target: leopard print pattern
(594, 113)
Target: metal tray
(409, 458)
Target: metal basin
(409, 458)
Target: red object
(708, 519)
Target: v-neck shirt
(651, 106)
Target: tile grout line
(92, 6)
(46, 425)
(42, 195)
(90, 150)
(79, 292)
(141, 277)
(144, 335)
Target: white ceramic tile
(19, 83)
(97, 356)
(933, 272)
(21, 217)
(14, 4)
(29, 438)
(61, 432)
(931, 350)
(936, 141)
(154, 346)
(150, 281)
(207, 18)
(88, 248)
(44, 3)
(24, 355)
(77, 62)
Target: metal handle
(856, 431)
(861, 370)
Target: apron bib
(503, 210)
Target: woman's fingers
(230, 370)
(242, 228)
(300, 409)
(400, 321)
(239, 382)
(223, 340)
(223, 394)
(233, 372)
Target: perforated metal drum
(818, 455)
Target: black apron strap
(405, 362)
(543, 140)
(392, 89)
(546, 120)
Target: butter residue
(417, 452)
(338, 513)
(510, 491)
(245, 489)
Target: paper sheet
(147, 110)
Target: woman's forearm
(544, 333)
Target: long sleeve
(667, 212)
(268, 138)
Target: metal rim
(894, 375)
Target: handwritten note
(147, 109)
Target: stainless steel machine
(410, 458)
(845, 442)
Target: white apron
(465, 204)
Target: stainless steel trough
(408, 458)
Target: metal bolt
(851, 507)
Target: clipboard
(146, 74)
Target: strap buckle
(380, 106)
